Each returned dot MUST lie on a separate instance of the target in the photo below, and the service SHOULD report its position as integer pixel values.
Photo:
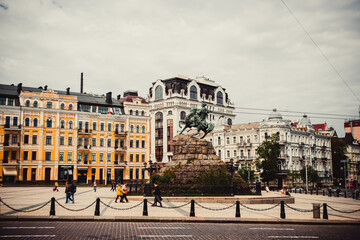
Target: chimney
(82, 83)
(45, 87)
(118, 97)
(108, 98)
(68, 91)
(19, 88)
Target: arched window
(27, 122)
(62, 124)
(143, 129)
(132, 128)
(137, 129)
(48, 123)
(193, 92)
(170, 112)
(35, 105)
(158, 93)
(71, 124)
(137, 112)
(229, 121)
(219, 153)
(142, 113)
(70, 106)
(35, 122)
(182, 115)
(27, 103)
(131, 112)
(219, 98)
(219, 140)
(62, 106)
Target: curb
(180, 219)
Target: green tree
(313, 176)
(244, 173)
(269, 152)
(338, 150)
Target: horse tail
(181, 121)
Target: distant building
(300, 144)
(352, 168)
(170, 101)
(353, 127)
(49, 135)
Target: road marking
(26, 236)
(287, 237)
(161, 227)
(286, 229)
(165, 236)
(26, 227)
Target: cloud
(4, 6)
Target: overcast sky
(254, 49)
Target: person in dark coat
(157, 195)
(72, 190)
(67, 192)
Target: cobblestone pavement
(131, 230)
(29, 198)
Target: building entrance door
(119, 175)
(47, 175)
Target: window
(27, 103)
(70, 140)
(131, 128)
(10, 102)
(137, 112)
(109, 142)
(93, 156)
(109, 127)
(33, 155)
(25, 156)
(47, 156)
(131, 143)
(2, 101)
(35, 122)
(69, 156)
(122, 128)
(121, 157)
(143, 157)
(137, 143)
(102, 126)
(35, 104)
(229, 121)
(62, 124)
(84, 108)
(93, 109)
(131, 157)
(48, 123)
(143, 143)
(61, 156)
(182, 115)
(70, 106)
(13, 155)
(71, 124)
(241, 139)
(62, 140)
(255, 138)
(101, 157)
(227, 140)
(242, 153)
(49, 105)
(122, 143)
(80, 141)
(142, 113)
(26, 139)
(14, 138)
(109, 157)
(94, 126)
(79, 156)
(101, 142)
(219, 98)
(158, 93)
(102, 110)
(248, 139)
(219, 140)
(80, 125)
(137, 173)
(87, 126)
(193, 92)
(27, 122)
(34, 139)
(15, 121)
(93, 142)
(131, 173)
(137, 129)
(219, 153)
(62, 106)
(48, 140)
(131, 112)
(249, 153)
(234, 153)
(143, 129)
(228, 153)
(234, 140)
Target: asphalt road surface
(142, 230)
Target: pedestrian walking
(267, 188)
(113, 186)
(56, 187)
(157, 195)
(72, 190)
(119, 192)
(94, 185)
(67, 192)
(125, 190)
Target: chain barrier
(151, 203)
(26, 211)
(115, 208)
(303, 210)
(215, 209)
(75, 210)
(343, 211)
(260, 210)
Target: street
(134, 230)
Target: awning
(9, 171)
(82, 168)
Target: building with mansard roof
(170, 101)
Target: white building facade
(170, 101)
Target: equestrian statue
(197, 119)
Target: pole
(107, 135)
(248, 174)
(345, 177)
(306, 177)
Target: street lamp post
(232, 167)
(345, 162)
(306, 176)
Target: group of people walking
(70, 191)
(121, 192)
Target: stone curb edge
(180, 219)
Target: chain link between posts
(261, 209)
(151, 203)
(75, 210)
(115, 208)
(215, 209)
(343, 211)
(26, 211)
(303, 210)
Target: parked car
(297, 190)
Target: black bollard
(329, 193)
(311, 192)
(325, 214)
(317, 191)
(282, 211)
(353, 195)
(192, 208)
(323, 192)
(237, 214)
(52, 207)
(145, 211)
(345, 194)
(300, 190)
(97, 207)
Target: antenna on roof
(82, 83)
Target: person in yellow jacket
(119, 192)
(56, 187)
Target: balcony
(84, 147)
(323, 158)
(242, 143)
(120, 148)
(121, 134)
(86, 162)
(11, 145)
(84, 131)
(8, 127)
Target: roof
(130, 95)
(244, 126)
(320, 126)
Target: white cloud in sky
(254, 49)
